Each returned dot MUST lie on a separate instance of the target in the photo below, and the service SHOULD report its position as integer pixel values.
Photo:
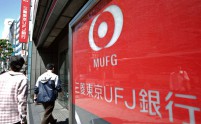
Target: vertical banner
(24, 21)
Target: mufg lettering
(105, 61)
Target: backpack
(46, 92)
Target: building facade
(19, 48)
(119, 61)
(50, 39)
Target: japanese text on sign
(24, 21)
(149, 99)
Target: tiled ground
(36, 113)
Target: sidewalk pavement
(35, 113)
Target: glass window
(63, 74)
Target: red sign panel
(139, 62)
(24, 21)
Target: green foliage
(6, 49)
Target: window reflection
(179, 80)
(63, 73)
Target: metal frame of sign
(88, 6)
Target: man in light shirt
(13, 93)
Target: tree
(6, 50)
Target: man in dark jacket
(46, 90)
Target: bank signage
(117, 15)
(24, 21)
(135, 62)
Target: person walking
(13, 93)
(46, 91)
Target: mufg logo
(102, 31)
(103, 27)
